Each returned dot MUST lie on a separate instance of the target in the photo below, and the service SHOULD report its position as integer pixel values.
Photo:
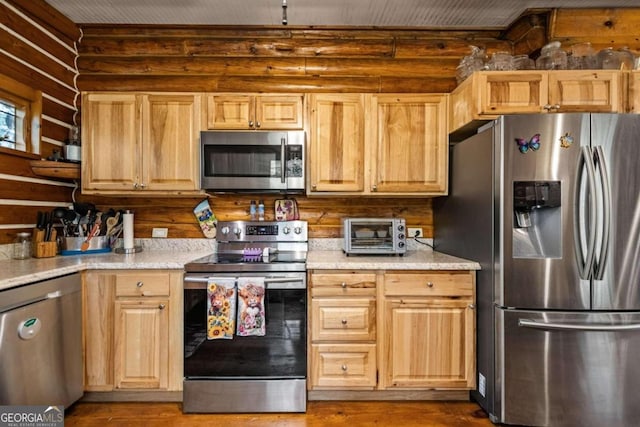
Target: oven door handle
(271, 282)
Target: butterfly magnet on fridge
(524, 145)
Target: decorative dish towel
(251, 319)
(221, 307)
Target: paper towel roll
(127, 230)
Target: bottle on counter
(22, 246)
(261, 210)
(252, 211)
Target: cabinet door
(141, 343)
(634, 92)
(343, 366)
(171, 135)
(111, 148)
(586, 91)
(278, 112)
(230, 111)
(343, 319)
(411, 144)
(98, 303)
(511, 92)
(428, 343)
(336, 141)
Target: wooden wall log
(49, 68)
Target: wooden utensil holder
(45, 249)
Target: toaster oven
(374, 236)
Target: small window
(12, 132)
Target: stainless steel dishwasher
(41, 343)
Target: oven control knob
(237, 232)
(286, 230)
(400, 227)
(401, 244)
(224, 230)
(298, 230)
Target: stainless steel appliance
(250, 373)
(374, 236)
(550, 207)
(253, 161)
(41, 343)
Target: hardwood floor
(319, 413)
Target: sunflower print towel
(221, 308)
(251, 318)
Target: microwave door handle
(283, 169)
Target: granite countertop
(19, 272)
(412, 260)
(174, 254)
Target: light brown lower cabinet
(392, 330)
(132, 330)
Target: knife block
(46, 249)
(43, 249)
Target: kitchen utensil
(94, 231)
(111, 223)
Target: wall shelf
(58, 170)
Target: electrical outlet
(414, 232)
(160, 232)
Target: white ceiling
(463, 14)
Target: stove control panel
(254, 231)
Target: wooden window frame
(30, 100)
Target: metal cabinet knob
(258, 124)
(135, 185)
(313, 187)
(161, 306)
(344, 285)
(142, 185)
(430, 284)
(472, 306)
(344, 321)
(344, 368)
(139, 284)
(250, 123)
(374, 187)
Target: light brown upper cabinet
(246, 111)
(336, 135)
(386, 145)
(487, 94)
(410, 148)
(133, 142)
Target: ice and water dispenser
(537, 225)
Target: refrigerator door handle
(526, 323)
(599, 265)
(585, 261)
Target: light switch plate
(160, 232)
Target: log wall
(37, 48)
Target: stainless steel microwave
(261, 161)
(374, 236)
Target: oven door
(266, 161)
(279, 354)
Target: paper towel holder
(132, 250)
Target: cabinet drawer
(343, 284)
(343, 366)
(429, 284)
(343, 319)
(142, 285)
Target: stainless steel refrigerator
(549, 205)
